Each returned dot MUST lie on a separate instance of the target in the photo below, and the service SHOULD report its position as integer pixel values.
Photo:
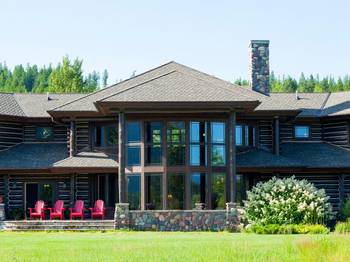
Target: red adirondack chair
(57, 210)
(98, 210)
(77, 210)
(38, 210)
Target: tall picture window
(153, 145)
(176, 191)
(198, 143)
(105, 135)
(198, 188)
(218, 147)
(176, 143)
(153, 183)
(133, 130)
(245, 135)
(218, 197)
(134, 191)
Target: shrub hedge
(286, 229)
(342, 227)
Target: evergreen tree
(104, 78)
(91, 82)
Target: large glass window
(153, 143)
(218, 190)
(198, 143)
(176, 143)
(134, 191)
(44, 133)
(133, 130)
(105, 135)
(153, 191)
(176, 191)
(198, 188)
(245, 135)
(241, 189)
(301, 131)
(218, 151)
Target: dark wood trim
(72, 189)
(165, 164)
(121, 157)
(142, 163)
(341, 188)
(232, 157)
(276, 123)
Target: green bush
(344, 212)
(287, 229)
(287, 201)
(342, 227)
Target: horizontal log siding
(2, 186)
(83, 188)
(336, 133)
(265, 134)
(329, 182)
(17, 182)
(287, 131)
(11, 134)
(59, 133)
(82, 136)
(346, 186)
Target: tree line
(66, 77)
(310, 84)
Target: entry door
(106, 186)
(43, 191)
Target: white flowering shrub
(287, 201)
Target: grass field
(153, 246)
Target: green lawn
(153, 246)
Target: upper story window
(245, 135)
(218, 150)
(105, 135)
(301, 131)
(176, 143)
(133, 131)
(198, 143)
(153, 143)
(44, 133)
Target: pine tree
(105, 78)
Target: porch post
(232, 156)
(276, 123)
(72, 135)
(121, 157)
(72, 189)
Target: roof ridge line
(127, 89)
(219, 86)
(217, 78)
(324, 103)
(97, 91)
(19, 105)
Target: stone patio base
(177, 220)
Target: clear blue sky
(212, 36)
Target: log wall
(11, 134)
(337, 133)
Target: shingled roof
(52, 155)
(297, 154)
(32, 105)
(169, 82)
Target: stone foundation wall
(2, 212)
(177, 220)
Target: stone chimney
(259, 71)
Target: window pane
(111, 136)
(134, 155)
(44, 133)
(176, 191)
(154, 191)
(241, 189)
(134, 191)
(218, 132)
(218, 190)
(153, 155)
(218, 157)
(198, 188)
(176, 155)
(154, 132)
(302, 131)
(198, 132)
(246, 142)
(176, 132)
(133, 131)
(198, 155)
(239, 136)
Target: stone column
(2, 212)
(121, 157)
(122, 216)
(232, 217)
